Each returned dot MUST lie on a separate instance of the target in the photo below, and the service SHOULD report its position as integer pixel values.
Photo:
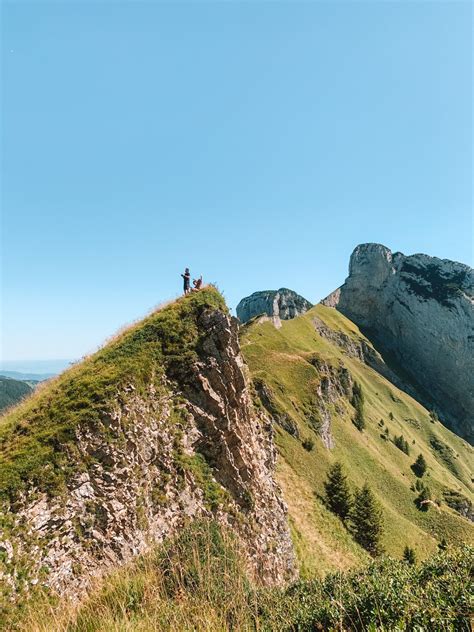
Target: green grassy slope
(288, 361)
(37, 438)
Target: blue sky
(257, 143)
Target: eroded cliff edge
(420, 310)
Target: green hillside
(305, 376)
(12, 391)
(37, 437)
(289, 365)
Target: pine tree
(338, 495)
(419, 466)
(358, 403)
(409, 555)
(367, 520)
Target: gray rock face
(282, 304)
(421, 310)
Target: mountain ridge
(181, 417)
(156, 429)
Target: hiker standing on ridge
(186, 278)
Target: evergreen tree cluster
(360, 512)
(358, 402)
(402, 444)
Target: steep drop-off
(120, 451)
(420, 310)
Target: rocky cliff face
(419, 309)
(282, 304)
(180, 449)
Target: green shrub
(308, 444)
(387, 595)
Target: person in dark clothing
(187, 279)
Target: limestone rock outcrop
(420, 311)
(282, 304)
(195, 448)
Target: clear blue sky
(257, 143)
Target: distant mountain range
(26, 377)
(37, 370)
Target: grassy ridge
(284, 359)
(37, 437)
(198, 582)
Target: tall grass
(198, 582)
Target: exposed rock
(459, 503)
(147, 467)
(282, 304)
(335, 386)
(361, 349)
(419, 309)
